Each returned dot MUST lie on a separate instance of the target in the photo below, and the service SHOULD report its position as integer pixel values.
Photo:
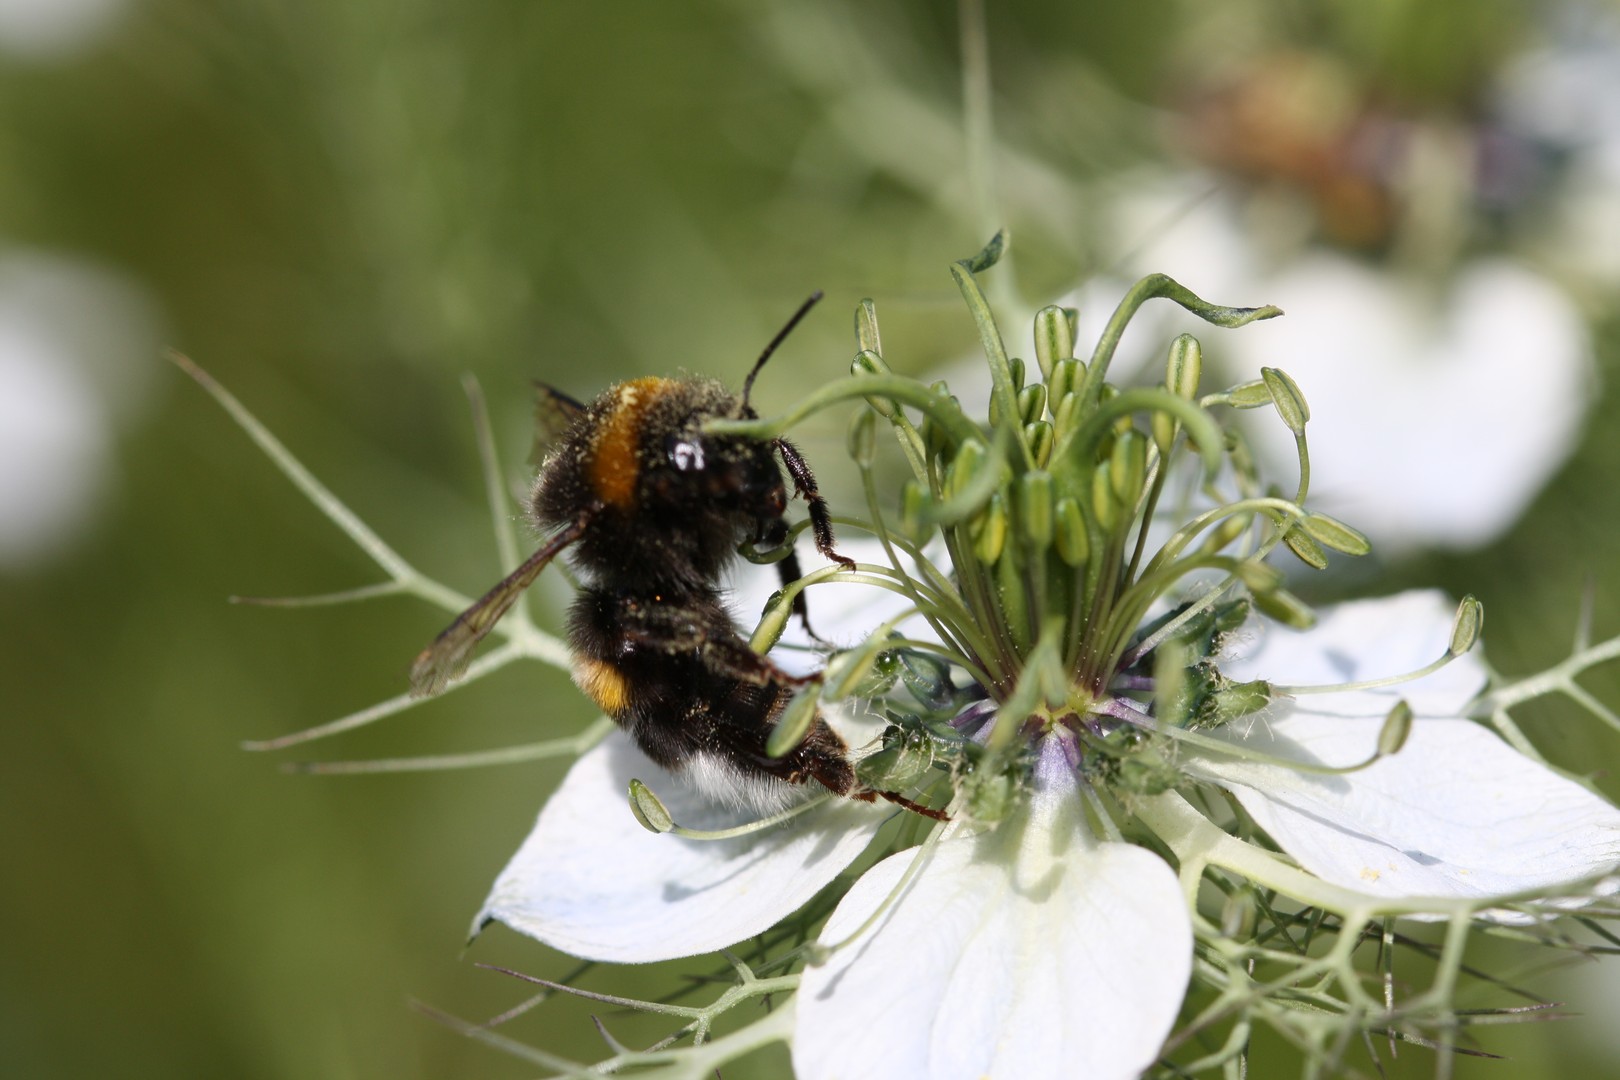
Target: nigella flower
(1114, 728)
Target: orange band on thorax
(614, 461)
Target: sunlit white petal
(592, 882)
(1031, 951)
(1456, 812)
(1364, 640)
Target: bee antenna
(804, 309)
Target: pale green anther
(1249, 395)
(1163, 426)
(1238, 915)
(867, 362)
(1127, 465)
(913, 506)
(1015, 365)
(863, 439)
(1170, 701)
(1104, 504)
(1185, 367)
(1032, 402)
(867, 338)
(988, 256)
(847, 670)
(990, 531)
(1066, 417)
(649, 809)
(774, 620)
(1286, 608)
(795, 724)
(1333, 533)
(1259, 576)
(1309, 551)
(1054, 337)
(1073, 543)
(970, 458)
(1397, 726)
(1466, 627)
(1040, 438)
(1037, 508)
(1288, 398)
(1065, 379)
(1223, 534)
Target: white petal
(1032, 951)
(1456, 813)
(592, 882)
(1362, 640)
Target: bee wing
(554, 413)
(446, 659)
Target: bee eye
(686, 455)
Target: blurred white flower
(78, 349)
(46, 29)
(1438, 410)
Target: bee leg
(728, 655)
(804, 481)
(733, 657)
(773, 533)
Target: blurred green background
(339, 208)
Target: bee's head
(732, 474)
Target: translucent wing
(554, 413)
(446, 659)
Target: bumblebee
(653, 508)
